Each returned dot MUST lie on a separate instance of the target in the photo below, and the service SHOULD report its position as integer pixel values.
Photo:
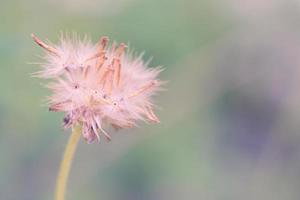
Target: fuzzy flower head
(98, 86)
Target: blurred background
(230, 119)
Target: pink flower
(98, 85)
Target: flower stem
(66, 163)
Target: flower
(98, 86)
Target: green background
(229, 117)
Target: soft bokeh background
(230, 118)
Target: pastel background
(230, 119)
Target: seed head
(99, 85)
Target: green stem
(66, 163)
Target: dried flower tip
(44, 45)
(144, 88)
(103, 42)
